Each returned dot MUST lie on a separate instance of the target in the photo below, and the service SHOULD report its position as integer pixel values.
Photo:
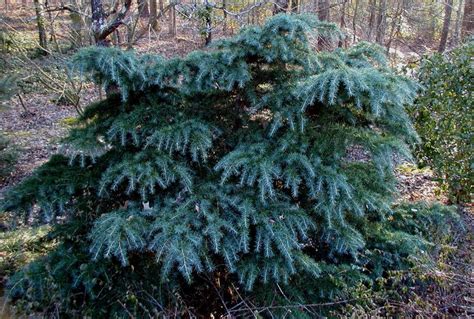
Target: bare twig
(22, 103)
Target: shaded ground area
(35, 134)
(456, 296)
(451, 294)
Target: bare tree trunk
(224, 6)
(98, 22)
(323, 10)
(280, 6)
(372, 7)
(7, 5)
(101, 29)
(323, 15)
(116, 38)
(396, 24)
(43, 39)
(381, 22)
(208, 23)
(354, 21)
(457, 27)
(162, 6)
(292, 6)
(153, 20)
(52, 32)
(432, 24)
(77, 25)
(343, 42)
(143, 8)
(448, 8)
(467, 29)
(253, 13)
(172, 22)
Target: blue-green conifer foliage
(233, 164)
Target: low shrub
(443, 116)
(8, 153)
(21, 246)
(8, 156)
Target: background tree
(457, 29)
(153, 22)
(402, 26)
(372, 19)
(323, 14)
(468, 19)
(143, 8)
(101, 26)
(448, 8)
(40, 21)
(172, 20)
(381, 22)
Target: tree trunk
(370, 31)
(280, 6)
(99, 26)
(153, 21)
(162, 6)
(52, 32)
(396, 24)
(292, 6)
(98, 22)
(224, 6)
(43, 39)
(208, 22)
(381, 22)
(143, 8)
(429, 34)
(467, 29)
(172, 21)
(354, 21)
(323, 10)
(448, 8)
(457, 27)
(77, 25)
(116, 38)
(343, 42)
(323, 15)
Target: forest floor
(37, 132)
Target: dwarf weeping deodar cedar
(231, 165)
